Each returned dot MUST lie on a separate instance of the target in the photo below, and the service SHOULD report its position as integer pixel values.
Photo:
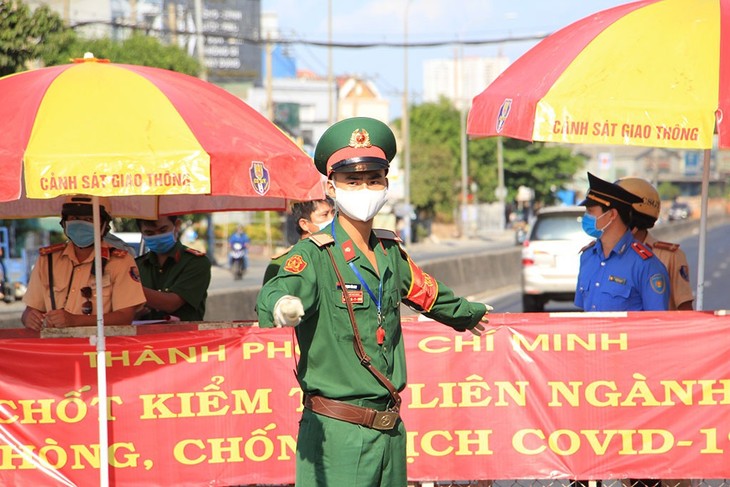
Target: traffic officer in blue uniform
(617, 272)
(342, 288)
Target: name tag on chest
(355, 292)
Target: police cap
(355, 144)
(604, 193)
(82, 205)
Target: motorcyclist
(238, 237)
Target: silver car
(551, 256)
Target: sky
(374, 21)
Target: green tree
(436, 163)
(137, 49)
(27, 35)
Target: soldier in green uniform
(175, 278)
(310, 217)
(341, 288)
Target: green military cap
(355, 144)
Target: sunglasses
(86, 307)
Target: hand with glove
(288, 311)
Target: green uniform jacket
(328, 365)
(186, 273)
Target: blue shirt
(629, 279)
(241, 238)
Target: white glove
(288, 311)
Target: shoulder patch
(134, 274)
(587, 247)
(119, 253)
(322, 239)
(51, 249)
(194, 252)
(672, 247)
(642, 250)
(295, 264)
(386, 234)
(282, 253)
(657, 283)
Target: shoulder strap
(50, 281)
(322, 239)
(386, 234)
(357, 342)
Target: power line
(342, 45)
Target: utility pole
(330, 75)
(200, 39)
(406, 126)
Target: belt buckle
(384, 420)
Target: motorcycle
(238, 257)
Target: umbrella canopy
(157, 141)
(651, 73)
(119, 130)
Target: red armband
(424, 288)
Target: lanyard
(377, 300)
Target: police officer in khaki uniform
(68, 271)
(673, 258)
(341, 288)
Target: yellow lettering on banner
(605, 393)
(565, 442)
(458, 343)
(571, 342)
(148, 356)
(472, 392)
(443, 443)
(77, 457)
(258, 447)
(212, 401)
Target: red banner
(539, 396)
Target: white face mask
(320, 226)
(362, 204)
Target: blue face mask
(160, 244)
(589, 225)
(81, 233)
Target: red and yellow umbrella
(652, 73)
(120, 130)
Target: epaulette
(119, 252)
(194, 252)
(642, 250)
(672, 247)
(51, 249)
(386, 234)
(282, 253)
(322, 239)
(587, 247)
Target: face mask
(321, 226)
(160, 244)
(362, 204)
(589, 225)
(81, 233)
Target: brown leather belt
(351, 413)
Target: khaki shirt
(121, 285)
(676, 263)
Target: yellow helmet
(650, 204)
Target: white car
(551, 256)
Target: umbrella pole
(703, 228)
(100, 353)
